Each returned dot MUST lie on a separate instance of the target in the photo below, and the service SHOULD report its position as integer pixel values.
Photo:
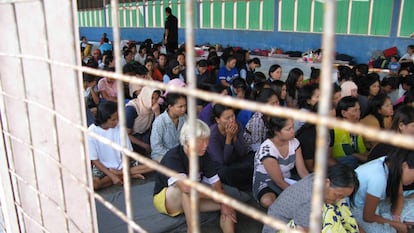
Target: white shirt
(407, 56)
(106, 154)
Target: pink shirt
(109, 88)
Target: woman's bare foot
(138, 176)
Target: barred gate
(45, 181)
(45, 173)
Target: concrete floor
(244, 224)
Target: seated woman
(307, 138)
(227, 148)
(140, 113)
(173, 72)
(153, 71)
(308, 98)
(294, 203)
(379, 202)
(275, 72)
(346, 147)
(140, 72)
(206, 114)
(275, 159)
(280, 88)
(107, 89)
(294, 82)
(250, 93)
(255, 131)
(379, 115)
(407, 84)
(402, 122)
(107, 161)
(228, 72)
(248, 70)
(141, 55)
(172, 196)
(162, 63)
(368, 87)
(167, 126)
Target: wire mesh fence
(43, 189)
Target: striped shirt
(268, 149)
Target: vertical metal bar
(191, 82)
(86, 168)
(312, 16)
(146, 6)
(178, 5)
(248, 14)
(348, 26)
(121, 108)
(235, 15)
(261, 15)
(201, 15)
(54, 121)
(154, 20)
(25, 68)
(212, 14)
(279, 16)
(223, 14)
(371, 12)
(295, 16)
(400, 15)
(328, 45)
(7, 207)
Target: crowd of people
(367, 188)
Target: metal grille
(45, 173)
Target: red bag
(390, 52)
(264, 53)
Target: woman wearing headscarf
(140, 113)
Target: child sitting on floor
(106, 160)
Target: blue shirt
(372, 178)
(130, 114)
(164, 134)
(394, 66)
(227, 75)
(105, 47)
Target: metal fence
(45, 172)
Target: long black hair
(277, 86)
(394, 163)
(292, 79)
(305, 93)
(404, 114)
(273, 68)
(375, 104)
(343, 176)
(264, 95)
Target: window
(91, 18)
(357, 17)
(237, 14)
(130, 14)
(214, 14)
(155, 13)
(406, 27)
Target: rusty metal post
(328, 45)
(191, 103)
(121, 108)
